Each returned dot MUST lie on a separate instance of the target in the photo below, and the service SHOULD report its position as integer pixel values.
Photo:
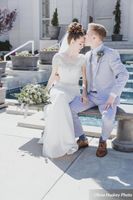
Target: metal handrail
(23, 45)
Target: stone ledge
(123, 112)
(16, 110)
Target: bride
(67, 67)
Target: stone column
(124, 140)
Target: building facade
(34, 17)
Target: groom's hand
(110, 102)
(84, 99)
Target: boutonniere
(99, 55)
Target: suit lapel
(99, 62)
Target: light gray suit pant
(108, 117)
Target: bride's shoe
(82, 143)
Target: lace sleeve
(55, 61)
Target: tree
(7, 19)
(117, 14)
(55, 21)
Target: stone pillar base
(124, 139)
(122, 146)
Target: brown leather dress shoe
(82, 143)
(102, 149)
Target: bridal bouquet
(33, 95)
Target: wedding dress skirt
(59, 136)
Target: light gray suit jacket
(111, 75)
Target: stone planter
(28, 63)
(2, 68)
(45, 57)
(117, 37)
(54, 32)
(2, 95)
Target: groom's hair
(98, 29)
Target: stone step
(129, 84)
(3, 105)
(127, 93)
(119, 44)
(130, 75)
(36, 121)
(129, 68)
(126, 101)
(16, 110)
(130, 90)
(129, 62)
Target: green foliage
(117, 14)
(55, 21)
(5, 46)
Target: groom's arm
(121, 75)
(120, 72)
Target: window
(45, 18)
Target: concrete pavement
(25, 174)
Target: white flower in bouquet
(33, 95)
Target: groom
(106, 78)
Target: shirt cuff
(113, 95)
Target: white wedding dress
(59, 136)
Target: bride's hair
(75, 31)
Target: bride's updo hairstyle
(75, 31)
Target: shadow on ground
(111, 172)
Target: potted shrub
(54, 28)
(24, 61)
(2, 91)
(46, 55)
(117, 26)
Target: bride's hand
(84, 99)
(57, 77)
